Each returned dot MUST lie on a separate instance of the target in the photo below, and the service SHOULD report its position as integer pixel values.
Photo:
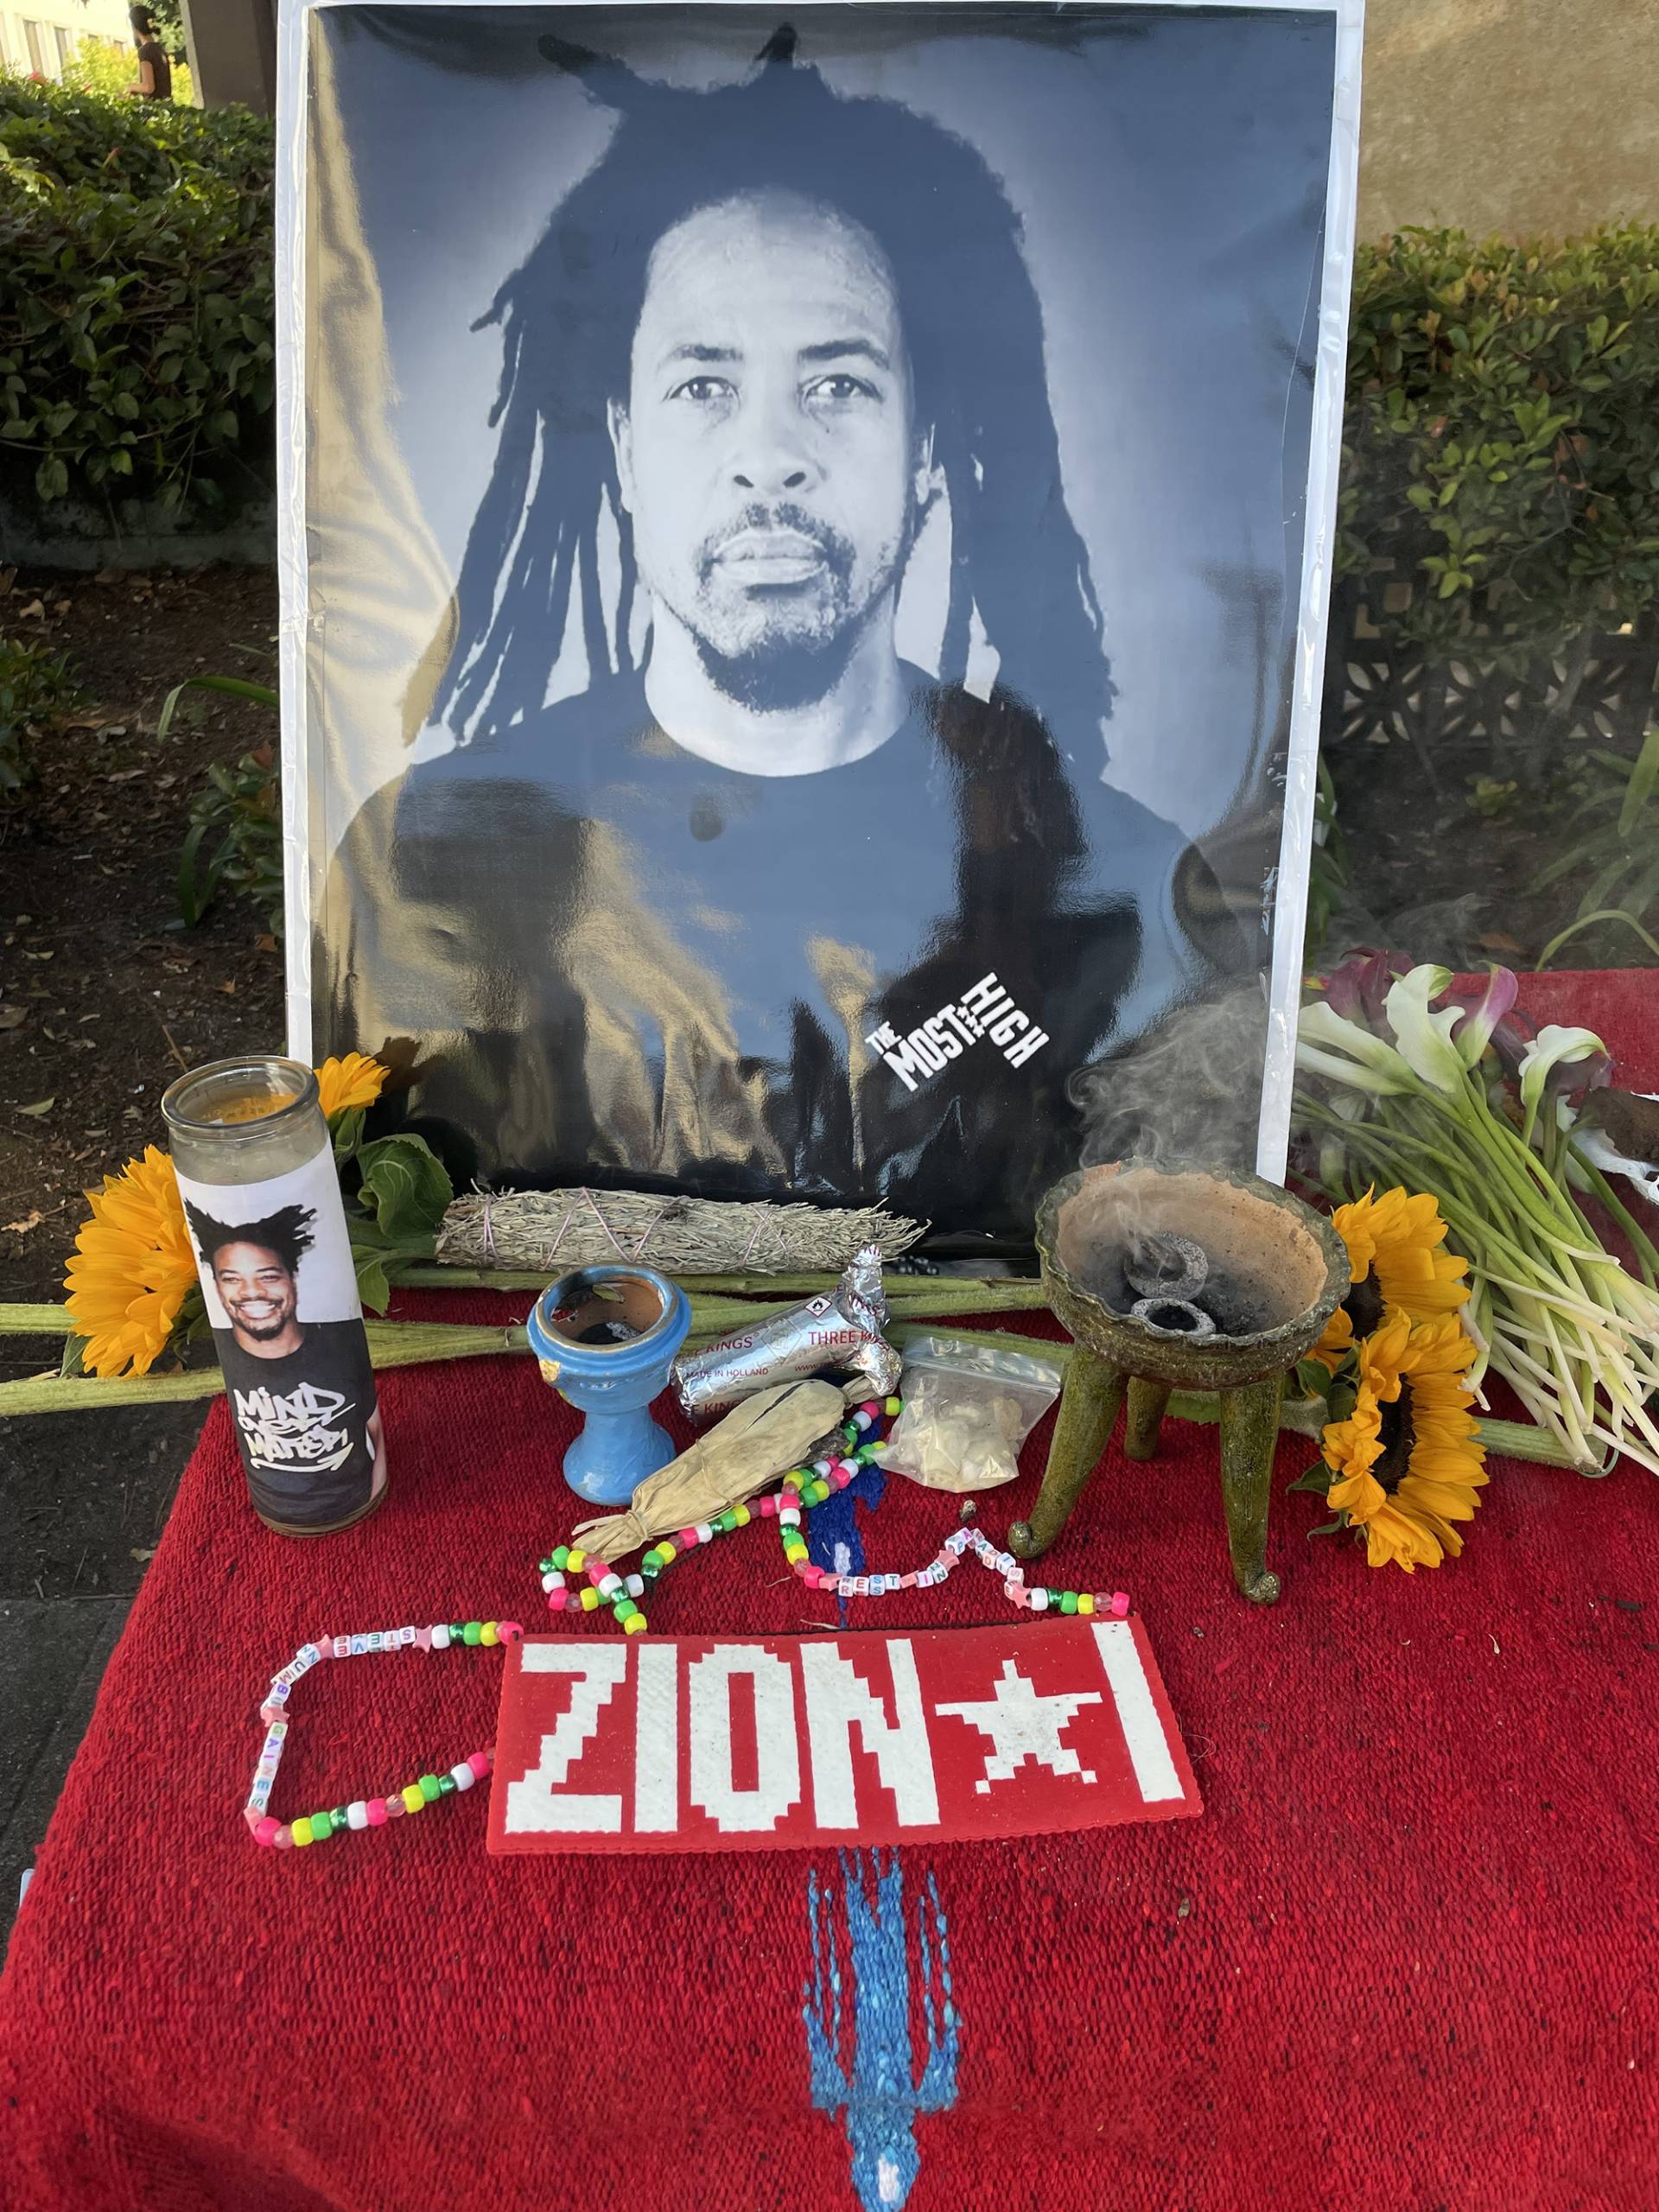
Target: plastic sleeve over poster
(932, 1051)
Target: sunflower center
(1398, 1432)
(1363, 1305)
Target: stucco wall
(1514, 116)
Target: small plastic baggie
(968, 1407)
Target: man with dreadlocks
(768, 909)
(302, 1391)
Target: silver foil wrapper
(839, 1333)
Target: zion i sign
(755, 1742)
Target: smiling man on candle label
(301, 1387)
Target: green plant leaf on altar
(372, 1286)
(73, 1348)
(1317, 1479)
(1328, 1528)
(404, 1190)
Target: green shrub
(34, 685)
(235, 839)
(1502, 438)
(136, 301)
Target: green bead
(322, 1827)
(1068, 1601)
(471, 1631)
(561, 1556)
(429, 1788)
(458, 1631)
(447, 1784)
(649, 1570)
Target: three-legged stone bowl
(1276, 1270)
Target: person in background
(155, 80)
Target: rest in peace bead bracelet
(363, 1812)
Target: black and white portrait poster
(806, 544)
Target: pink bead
(377, 1812)
(687, 1539)
(870, 1407)
(812, 1576)
(284, 1838)
(265, 1831)
(510, 1632)
(827, 1580)
(1120, 1604)
(322, 1645)
(270, 1713)
(556, 1600)
(769, 1506)
(907, 1582)
(424, 1638)
(480, 1762)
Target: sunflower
(1405, 1461)
(355, 1081)
(1395, 1264)
(132, 1268)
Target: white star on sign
(1023, 1725)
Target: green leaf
(372, 1286)
(405, 1188)
(52, 478)
(1640, 788)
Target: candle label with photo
(275, 1260)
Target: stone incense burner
(1234, 1280)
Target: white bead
(342, 1647)
(440, 1636)
(407, 1636)
(357, 1815)
(462, 1776)
(376, 1640)
(553, 1579)
(1039, 1600)
(705, 1533)
(635, 1585)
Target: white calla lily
(1321, 1026)
(1424, 1036)
(1548, 1049)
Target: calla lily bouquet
(1407, 1077)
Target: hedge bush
(1502, 438)
(136, 299)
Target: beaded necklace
(800, 1490)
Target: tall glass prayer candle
(256, 1170)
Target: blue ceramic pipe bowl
(612, 1383)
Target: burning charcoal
(1178, 1315)
(1164, 1265)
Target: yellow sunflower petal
(132, 1268)
(355, 1081)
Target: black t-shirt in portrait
(620, 963)
(304, 1424)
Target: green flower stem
(1647, 1253)
(33, 1321)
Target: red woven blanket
(1405, 1958)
